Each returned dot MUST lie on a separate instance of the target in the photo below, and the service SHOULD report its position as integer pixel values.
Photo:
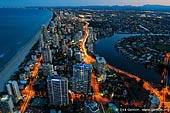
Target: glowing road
(88, 59)
(165, 91)
(28, 91)
(147, 86)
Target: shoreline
(13, 64)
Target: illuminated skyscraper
(91, 107)
(44, 33)
(52, 26)
(69, 52)
(47, 69)
(78, 56)
(41, 40)
(13, 90)
(154, 102)
(64, 46)
(56, 40)
(101, 68)
(47, 55)
(58, 91)
(6, 104)
(90, 39)
(80, 35)
(81, 80)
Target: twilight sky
(80, 2)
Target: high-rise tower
(101, 68)
(47, 54)
(58, 91)
(13, 90)
(81, 80)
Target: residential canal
(105, 48)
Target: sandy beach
(13, 64)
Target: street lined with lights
(28, 91)
(146, 85)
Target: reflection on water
(105, 48)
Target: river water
(105, 48)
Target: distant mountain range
(145, 7)
(116, 7)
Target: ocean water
(17, 27)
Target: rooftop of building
(82, 65)
(154, 99)
(53, 111)
(100, 60)
(114, 107)
(56, 78)
(92, 105)
(11, 81)
(78, 52)
(4, 97)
